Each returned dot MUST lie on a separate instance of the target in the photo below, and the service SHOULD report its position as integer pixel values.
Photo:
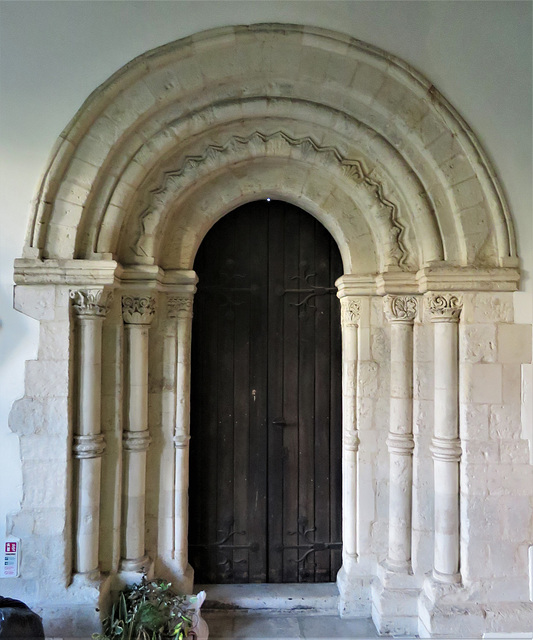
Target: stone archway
(155, 156)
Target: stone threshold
(317, 599)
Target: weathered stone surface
(44, 447)
(482, 307)
(474, 421)
(483, 383)
(47, 378)
(514, 343)
(505, 422)
(478, 343)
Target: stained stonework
(437, 492)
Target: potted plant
(150, 610)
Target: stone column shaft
(401, 312)
(445, 310)
(180, 307)
(137, 314)
(90, 307)
(350, 309)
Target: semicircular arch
(158, 105)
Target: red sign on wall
(10, 568)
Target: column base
(444, 611)
(169, 569)
(446, 578)
(182, 579)
(395, 601)
(388, 571)
(137, 565)
(439, 591)
(354, 592)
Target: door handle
(279, 422)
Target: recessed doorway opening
(265, 482)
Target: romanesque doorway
(265, 483)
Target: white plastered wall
(52, 55)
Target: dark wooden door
(265, 480)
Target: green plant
(147, 611)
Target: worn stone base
(453, 616)
(77, 614)
(395, 603)
(354, 595)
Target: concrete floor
(225, 625)
(241, 625)
(246, 625)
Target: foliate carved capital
(136, 440)
(400, 308)
(91, 446)
(179, 306)
(444, 307)
(446, 449)
(181, 440)
(351, 440)
(138, 309)
(401, 444)
(351, 311)
(91, 302)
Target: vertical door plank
(257, 391)
(290, 396)
(276, 417)
(306, 401)
(241, 434)
(225, 313)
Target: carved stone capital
(401, 444)
(400, 308)
(351, 440)
(181, 440)
(179, 306)
(91, 302)
(444, 307)
(91, 446)
(448, 450)
(138, 309)
(136, 440)
(351, 311)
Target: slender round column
(90, 306)
(444, 310)
(400, 312)
(180, 308)
(137, 312)
(350, 314)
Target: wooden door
(265, 479)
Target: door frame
(355, 322)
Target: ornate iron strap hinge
(310, 546)
(223, 544)
(309, 290)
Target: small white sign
(10, 568)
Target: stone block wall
(42, 420)
(496, 475)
